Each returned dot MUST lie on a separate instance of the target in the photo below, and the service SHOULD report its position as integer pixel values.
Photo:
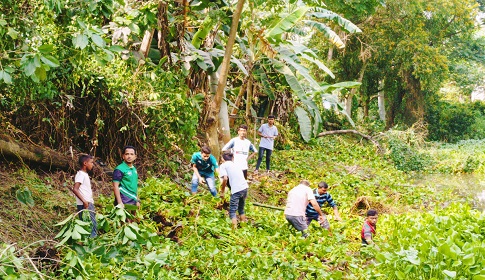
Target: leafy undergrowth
(24, 223)
(178, 236)
(466, 156)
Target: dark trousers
(260, 157)
(92, 215)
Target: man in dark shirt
(322, 196)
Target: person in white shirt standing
(84, 193)
(241, 148)
(230, 172)
(297, 201)
(268, 133)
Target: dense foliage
(450, 121)
(176, 235)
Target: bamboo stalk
(268, 206)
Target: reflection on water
(467, 186)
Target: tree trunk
(348, 103)
(34, 154)
(213, 120)
(249, 97)
(223, 114)
(330, 54)
(147, 41)
(381, 104)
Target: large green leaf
(25, 197)
(344, 23)
(5, 77)
(339, 86)
(290, 78)
(266, 85)
(46, 48)
(308, 54)
(80, 41)
(305, 123)
(203, 31)
(327, 32)
(50, 60)
(98, 41)
(302, 70)
(286, 23)
(319, 64)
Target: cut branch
(351, 131)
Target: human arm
(196, 172)
(368, 234)
(252, 149)
(336, 214)
(76, 191)
(229, 145)
(223, 185)
(116, 191)
(315, 205)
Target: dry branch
(352, 131)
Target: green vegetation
(92, 76)
(176, 235)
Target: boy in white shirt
(232, 173)
(84, 193)
(241, 147)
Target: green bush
(407, 158)
(451, 122)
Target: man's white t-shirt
(235, 175)
(240, 149)
(298, 199)
(85, 188)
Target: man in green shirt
(125, 179)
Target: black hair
(322, 185)
(205, 150)
(128, 147)
(270, 117)
(371, 212)
(227, 156)
(83, 159)
(243, 126)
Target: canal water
(467, 187)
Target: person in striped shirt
(322, 196)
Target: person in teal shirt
(204, 164)
(125, 179)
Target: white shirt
(235, 176)
(85, 188)
(298, 199)
(240, 149)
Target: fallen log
(352, 131)
(29, 153)
(268, 206)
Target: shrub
(451, 122)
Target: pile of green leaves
(442, 244)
